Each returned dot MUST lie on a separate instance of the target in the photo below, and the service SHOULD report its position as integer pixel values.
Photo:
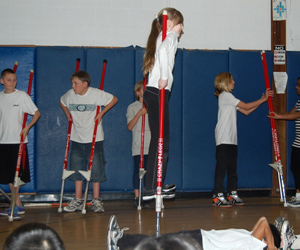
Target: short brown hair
(7, 71)
(82, 76)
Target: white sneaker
(114, 233)
(287, 236)
(97, 206)
(74, 205)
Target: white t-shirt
(226, 128)
(83, 110)
(230, 239)
(12, 109)
(132, 110)
(164, 60)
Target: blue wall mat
(293, 66)
(119, 81)
(200, 109)
(54, 66)
(25, 56)
(254, 132)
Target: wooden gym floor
(89, 231)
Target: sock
(298, 196)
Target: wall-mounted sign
(279, 54)
(279, 10)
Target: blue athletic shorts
(79, 160)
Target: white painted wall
(209, 24)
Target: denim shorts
(79, 160)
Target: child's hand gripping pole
(158, 199)
(277, 165)
(17, 181)
(66, 173)
(142, 171)
(87, 174)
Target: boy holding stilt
(13, 104)
(134, 114)
(81, 102)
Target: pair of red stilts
(86, 174)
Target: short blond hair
(137, 87)
(222, 83)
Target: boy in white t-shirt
(13, 104)
(81, 103)
(134, 114)
(226, 139)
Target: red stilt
(277, 165)
(87, 174)
(142, 170)
(66, 173)
(15, 66)
(17, 181)
(77, 64)
(158, 200)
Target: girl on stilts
(226, 139)
(158, 62)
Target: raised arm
(248, 108)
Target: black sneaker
(168, 187)
(150, 195)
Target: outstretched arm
(248, 108)
(292, 115)
(262, 230)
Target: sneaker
(220, 201)
(294, 202)
(97, 206)
(287, 236)
(114, 233)
(7, 212)
(150, 195)
(233, 198)
(74, 205)
(21, 209)
(279, 222)
(168, 187)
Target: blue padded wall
(26, 59)
(193, 114)
(254, 131)
(199, 118)
(119, 81)
(293, 72)
(54, 66)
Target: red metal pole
(277, 166)
(17, 181)
(77, 64)
(160, 138)
(15, 66)
(88, 175)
